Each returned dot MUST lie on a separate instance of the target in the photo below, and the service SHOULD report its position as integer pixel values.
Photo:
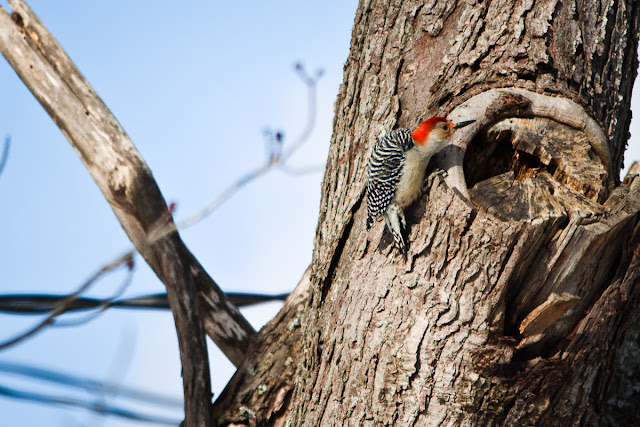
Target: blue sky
(194, 87)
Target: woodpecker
(397, 166)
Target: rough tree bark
(517, 291)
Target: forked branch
(127, 184)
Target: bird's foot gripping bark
(397, 224)
(426, 185)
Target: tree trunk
(523, 263)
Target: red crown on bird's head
(421, 134)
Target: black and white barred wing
(385, 170)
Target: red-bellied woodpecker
(397, 166)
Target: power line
(45, 303)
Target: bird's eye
(445, 127)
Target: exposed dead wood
(493, 105)
(529, 147)
(546, 314)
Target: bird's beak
(463, 124)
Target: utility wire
(45, 303)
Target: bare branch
(77, 403)
(129, 187)
(163, 226)
(127, 184)
(277, 157)
(310, 81)
(5, 153)
(61, 306)
(102, 306)
(88, 384)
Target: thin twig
(60, 307)
(100, 409)
(102, 306)
(88, 384)
(311, 82)
(119, 366)
(271, 162)
(5, 153)
(165, 226)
